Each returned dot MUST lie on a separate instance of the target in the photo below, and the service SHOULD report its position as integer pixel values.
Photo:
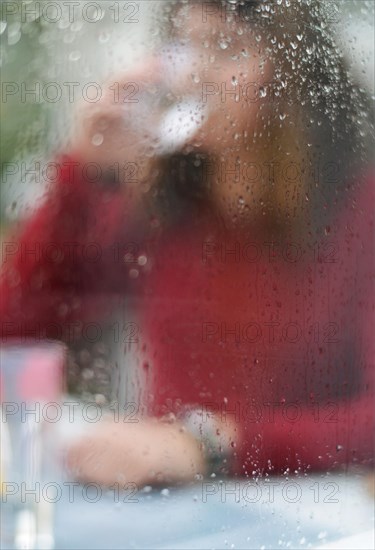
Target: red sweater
(275, 337)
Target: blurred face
(204, 92)
(225, 68)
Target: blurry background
(55, 49)
(50, 53)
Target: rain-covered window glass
(187, 292)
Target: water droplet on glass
(63, 24)
(133, 273)
(223, 44)
(100, 399)
(104, 37)
(97, 139)
(75, 56)
(76, 26)
(87, 374)
(14, 33)
(68, 38)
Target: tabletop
(319, 511)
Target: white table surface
(184, 519)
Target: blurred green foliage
(22, 58)
(24, 119)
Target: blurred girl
(251, 257)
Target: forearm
(147, 452)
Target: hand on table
(146, 452)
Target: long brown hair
(318, 116)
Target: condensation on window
(187, 204)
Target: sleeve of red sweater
(319, 437)
(322, 436)
(315, 436)
(57, 269)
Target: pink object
(41, 378)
